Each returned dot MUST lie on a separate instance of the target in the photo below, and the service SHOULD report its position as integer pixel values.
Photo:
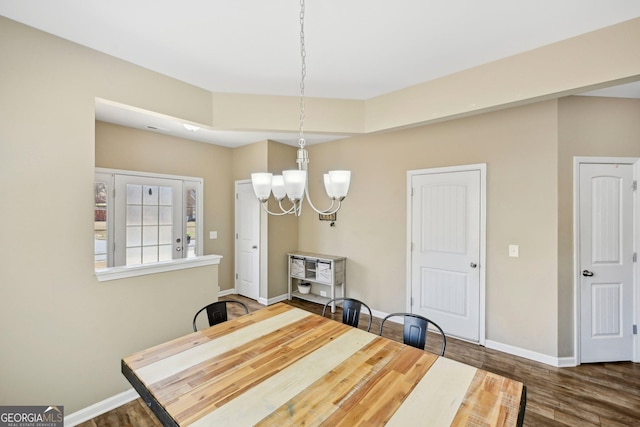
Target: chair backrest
(351, 308)
(415, 330)
(217, 312)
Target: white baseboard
(226, 292)
(100, 408)
(565, 362)
(381, 315)
(558, 362)
(265, 301)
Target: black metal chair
(415, 330)
(351, 308)
(217, 312)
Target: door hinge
(236, 276)
(236, 196)
(236, 235)
(634, 185)
(635, 329)
(411, 301)
(635, 257)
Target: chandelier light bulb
(277, 187)
(295, 182)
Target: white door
(606, 262)
(151, 211)
(445, 255)
(247, 252)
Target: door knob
(587, 273)
(254, 247)
(473, 265)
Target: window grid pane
(166, 196)
(149, 195)
(144, 214)
(165, 234)
(165, 252)
(134, 215)
(149, 254)
(150, 235)
(134, 236)
(150, 215)
(134, 256)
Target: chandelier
(294, 183)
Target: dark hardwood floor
(599, 394)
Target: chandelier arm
(330, 210)
(291, 210)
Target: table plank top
(283, 366)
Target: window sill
(123, 272)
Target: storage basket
(304, 288)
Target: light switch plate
(213, 235)
(514, 251)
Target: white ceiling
(356, 49)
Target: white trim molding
(558, 362)
(100, 408)
(122, 272)
(227, 292)
(270, 301)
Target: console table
(325, 273)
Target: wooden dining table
(283, 366)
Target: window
(143, 219)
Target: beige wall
(63, 333)
(601, 127)
(119, 147)
(281, 113)
(519, 146)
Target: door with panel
(606, 262)
(445, 254)
(247, 253)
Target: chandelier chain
(295, 183)
(303, 56)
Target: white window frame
(118, 272)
